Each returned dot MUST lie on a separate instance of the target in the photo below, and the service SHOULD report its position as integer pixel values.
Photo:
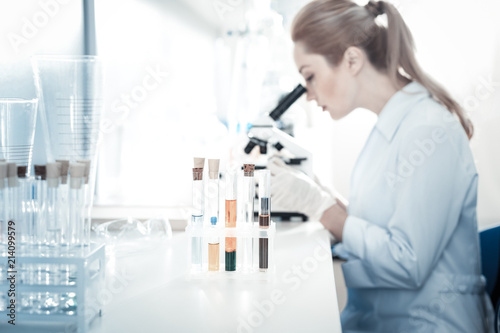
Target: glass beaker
(70, 91)
(17, 130)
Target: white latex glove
(292, 190)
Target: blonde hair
(329, 27)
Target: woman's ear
(354, 59)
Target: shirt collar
(398, 107)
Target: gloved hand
(292, 190)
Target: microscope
(264, 134)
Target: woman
(410, 231)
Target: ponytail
(329, 27)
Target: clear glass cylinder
(76, 204)
(13, 200)
(248, 197)
(4, 220)
(4, 223)
(197, 218)
(264, 216)
(40, 204)
(230, 218)
(248, 192)
(63, 204)
(25, 209)
(213, 215)
(17, 128)
(53, 231)
(88, 194)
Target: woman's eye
(310, 78)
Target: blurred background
(185, 78)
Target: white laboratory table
(150, 291)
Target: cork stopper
(199, 162)
(3, 174)
(248, 170)
(77, 172)
(53, 174)
(41, 172)
(197, 173)
(12, 174)
(64, 170)
(213, 168)
(87, 170)
(22, 171)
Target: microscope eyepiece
(287, 102)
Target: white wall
(154, 122)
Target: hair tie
(375, 8)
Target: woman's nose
(310, 95)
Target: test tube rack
(241, 232)
(90, 269)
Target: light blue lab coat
(411, 236)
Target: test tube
(213, 213)
(264, 216)
(25, 233)
(67, 226)
(197, 216)
(87, 210)
(53, 235)
(248, 210)
(63, 205)
(25, 218)
(74, 232)
(4, 220)
(231, 208)
(13, 211)
(48, 302)
(76, 204)
(40, 223)
(23, 224)
(3, 230)
(40, 200)
(13, 185)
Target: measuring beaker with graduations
(17, 130)
(70, 91)
(17, 133)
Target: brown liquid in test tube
(264, 217)
(230, 241)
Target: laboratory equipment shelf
(89, 268)
(241, 232)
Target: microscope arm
(293, 146)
